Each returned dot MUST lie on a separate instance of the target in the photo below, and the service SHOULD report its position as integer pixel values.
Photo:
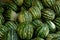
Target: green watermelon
(42, 31)
(3, 30)
(56, 7)
(53, 36)
(18, 2)
(48, 14)
(38, 4)
(28, 3)
(2, 4)
(56, 38)
(25, 31)
(58, 32)
(51, 26)
(10, 15)
(37, 23)
(38, 38)
(11, 35)
(35, 11)
(1, 10)
(24, 16)
(57, 23)
(48, 3)
(11, 25)
(11, 5)
(1, 19)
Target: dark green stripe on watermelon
(48, 14)
(35, 11)
(25, 31)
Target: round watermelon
(25, 31)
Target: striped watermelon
(25, 31)
(48, 14)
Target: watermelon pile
(30, 20)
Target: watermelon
(11, 25)
(57, 23)
(28, 3)
(25, 31)
(1, 10)
(38, 4)
(18, 2)
(51, 26)
(56, 8)
(24, 16)
(35, 11)
(38, 38)
(48, 14)
(42, 31)
(1, 19)
(11, 5)
(11, 35)
(37, 23)
(48, 3)
(53, 36)
(10, 15)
